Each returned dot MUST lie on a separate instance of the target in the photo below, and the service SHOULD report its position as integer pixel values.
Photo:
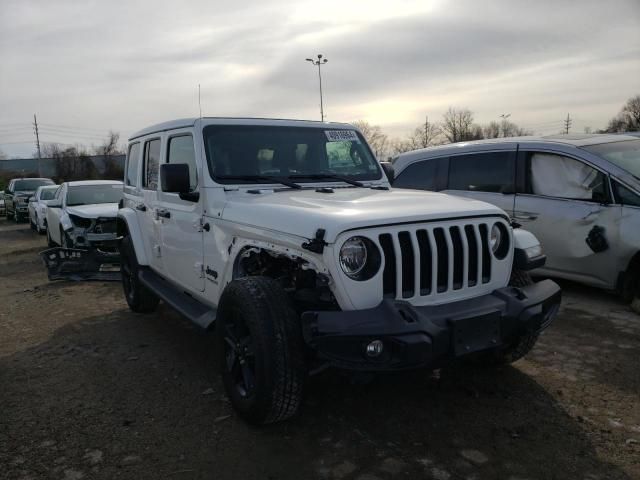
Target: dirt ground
(90, 390)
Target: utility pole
(567, 125)
(426, 131)
(35, 126)
(321, 61)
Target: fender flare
(128, 225)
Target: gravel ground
(90, 390)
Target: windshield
(30, 185)
(48, 193)
(92, 194)
(282, 152)
(625, 154)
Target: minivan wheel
(139, 298)
(260, 349)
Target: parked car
(83, 214)
(3, 210)
(287, 236)
(579, 194)
(38, 207)
(17, 195)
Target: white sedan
(38, 207)
(83, 215)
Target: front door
(567, 205)
(182, 232)
(486, 176)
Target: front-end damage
(91, 251)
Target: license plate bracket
(476, 333)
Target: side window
(625, 196)
(133, 160)
(181, 151)
(563, 177)
(483, 172)
(420, 175)
(151, 164)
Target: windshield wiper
(328, 176)
(262, 178)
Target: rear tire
(261, 350)
(139, 298)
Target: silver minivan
(579, 194)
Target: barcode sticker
(341, 136)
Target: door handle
(142, 207)
(163, 213)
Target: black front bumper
(429, 336)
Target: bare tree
(378, 140)
(627, 120)
(71, 163)
(457, 125)
(425, 135)
(492, 130)
(109, 149)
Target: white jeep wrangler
(287, 237)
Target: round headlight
(499, 241)
(353, 256)
(495, 238)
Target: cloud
(124, 65)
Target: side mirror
(388, 171)
(32, 199)
(174, 177)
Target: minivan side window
(181, 150)
(133, 160)
(625, 196)
(552, 175)
(483, 172)
(151, 164)
(421, 175)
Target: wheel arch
(127, 225)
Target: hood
(301, 213)
(94, 211)
(24, 193)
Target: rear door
(488, 176)
(181, 228)
(147, 210)
(567, 205)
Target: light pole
(321, 61)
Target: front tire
(525, 341)
(261, 350)
(139, 298)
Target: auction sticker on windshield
(341, 136)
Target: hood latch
(317, 244)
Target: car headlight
(533, 252)
(359, 258)
(499, 240)
(79, 221)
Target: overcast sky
(89, 66)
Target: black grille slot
(443, 259)
(389, 273)
(425, 262)
(458, 257)
(408, 265)
(473, 255)
(486, 255)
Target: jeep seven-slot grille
(436, 260)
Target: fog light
(375, 348)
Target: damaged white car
(83, 214)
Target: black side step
(199, 313)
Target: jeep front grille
(423, 260)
